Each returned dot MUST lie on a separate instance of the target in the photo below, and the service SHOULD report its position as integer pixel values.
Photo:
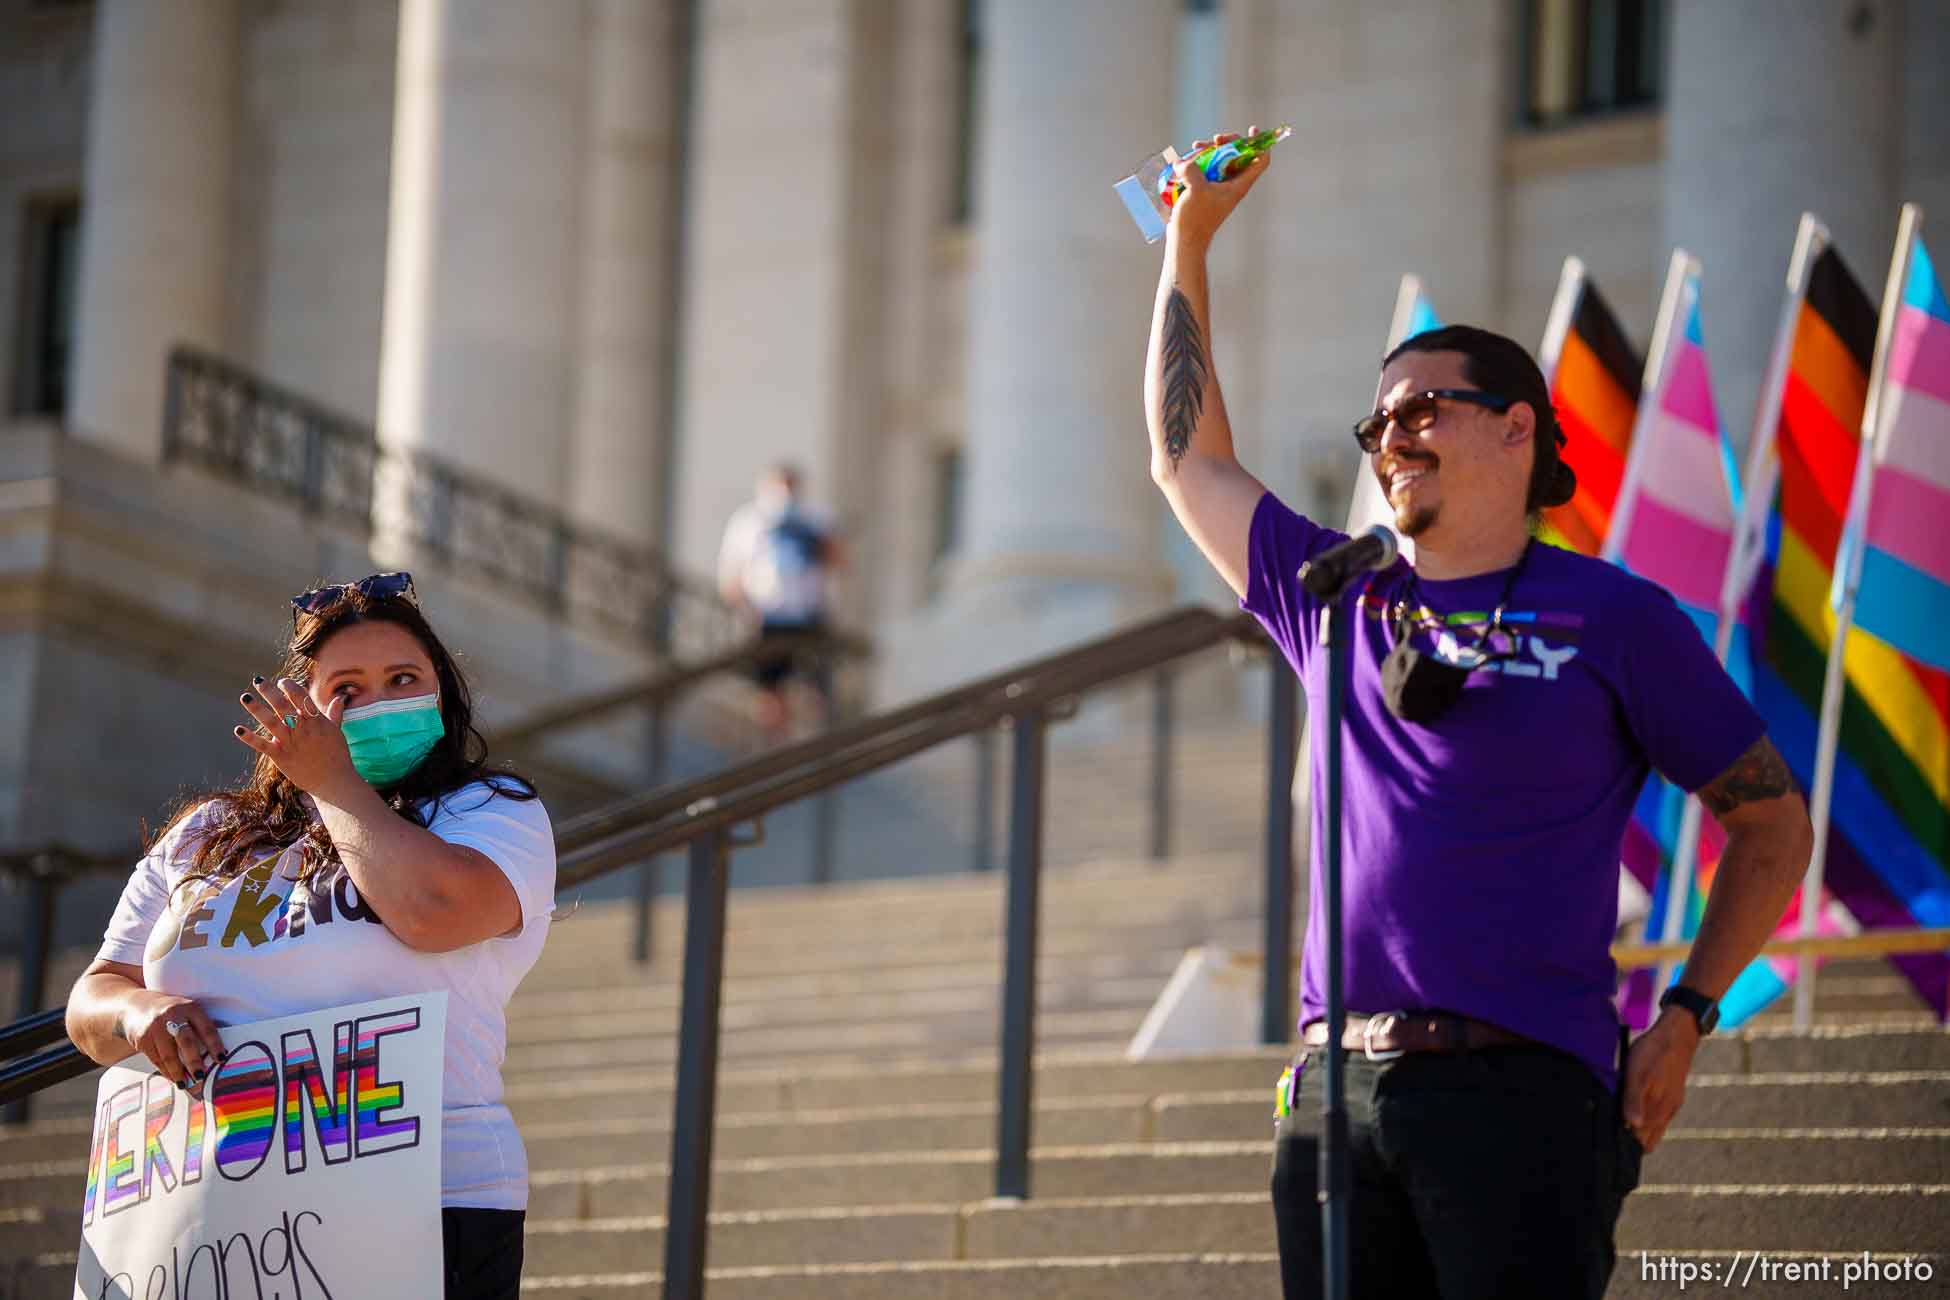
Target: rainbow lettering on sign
(143, 1147)
(375, 1096)
(158, 1109)
(121, 1184)
(94, 1166)
(193, 1142)
(244, 1094)
(331, 1106)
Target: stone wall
(44, 67)
(314, 148)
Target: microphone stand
(1327, 580)
(1333, 1175)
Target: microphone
(1326, 576)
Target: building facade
(618, 256)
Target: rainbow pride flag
(1593, 375)
(1888, 837)
(1903, 586)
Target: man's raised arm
(1191, 440)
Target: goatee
(1413, 523)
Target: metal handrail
(703, 815)
(786, 776)
(1868, 943)
(30, 1032)
(632, 813)
(659, 688)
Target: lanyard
(1402, 628)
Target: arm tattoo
(1184, 374)
(1760, 773)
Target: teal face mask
(391, 738)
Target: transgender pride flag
(1903, 587)
(1674, 519)
(1673, 523)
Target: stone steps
(919, 1171)
(659, 1049)
(1839, 1218)
(1853, 1099)
(896, 1005)
(597, 967)
(856, 1111)
(1154, 1276)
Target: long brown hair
(265, 813)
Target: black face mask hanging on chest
(1420, 687)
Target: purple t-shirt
(1480, 852)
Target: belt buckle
(1368, 1031)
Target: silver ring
(174, 1027)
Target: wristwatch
(1705, 1010)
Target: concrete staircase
(856, 1114)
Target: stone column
(629, 221)
(481, 270)
(155, 209)
(766, 335)
(1926, 128)
(1775, 107)
(1063, 523)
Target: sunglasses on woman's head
(380, 586)
(1417, 411)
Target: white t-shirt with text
(260, 945)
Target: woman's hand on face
(176, 1034)
(307, 745)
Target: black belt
(1395, 1032)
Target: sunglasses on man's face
(380, 586)
(1417, 411)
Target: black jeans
(1490, 1174)
(483, 1253)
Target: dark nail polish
(238, 730)
(257, 681)
(184, 1084)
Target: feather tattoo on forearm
(1183, 355)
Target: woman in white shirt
(371, 853)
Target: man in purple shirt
(1507, 700)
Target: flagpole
(1570, 285)
(1369, 504)
(1405, 299)
(1841, 597)
(1679, 890)
(1652, 391)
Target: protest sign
(310, 1170)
